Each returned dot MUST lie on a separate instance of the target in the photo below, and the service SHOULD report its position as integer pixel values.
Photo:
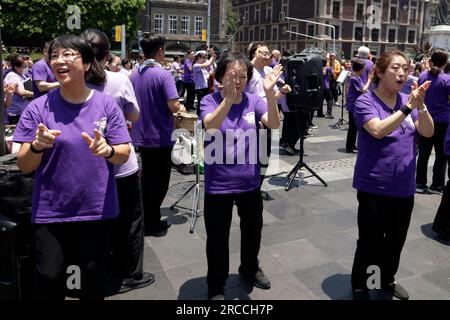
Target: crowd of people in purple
(83, 117)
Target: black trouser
(442, 219)
(128, 232)
(59, 245)
(290, 132)
(218, 215)
(190, 95)
(383, 224)
(351, 133)
(200, 94)
(180, 87)
(440, 163)
(265, 133)
(328, 96)
(334, 89)
(13, 119)
(155, 178)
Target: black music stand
(195, 211)
(341, 81)
(300, 163)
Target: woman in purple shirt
(74, 196)
(387, 121)
(232, 173)
(437, 101)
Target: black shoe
(216, 294)
(129, 284)
(351, 150)
(361, 294)
(436, 190)
(320, 116)
(397, 291)
(289, 151)
(161, 228)
(266, 196)
(330, 116)
(259, 280)
(421, 188)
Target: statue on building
(442, 12)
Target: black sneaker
(159, 229)
(289, 150)
(436, 190)
(361, 294)
(260, 280)
(132, 283)
(216, 294)
(421, 188)
(397, 291)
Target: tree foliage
(32, 22)
(232, 22)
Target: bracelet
(405, 110)
(113, 152)
(34, 150)
(423, 109)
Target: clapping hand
(417, 95)
(271, 78)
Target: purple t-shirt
(153, 87)
(237, 170)
(71, 184)
(187, 75)
(385, 166)
(326, 78)
(200, 76)
(41, 72)
(120, 88)
(354, 91)
(436, 97)
(368, 67)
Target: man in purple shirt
(188, 80)
(157, 96)
(363, 54)
(42, 75)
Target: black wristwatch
(34, 150)
(405, 110)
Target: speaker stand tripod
(195, 211)
(341, 120)
(301, 164)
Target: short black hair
(151, 44)
(253, 47)
(231, 58)
(358, 65)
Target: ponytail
(96, 74)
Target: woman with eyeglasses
(19, 69)
(71, 137)
(387, 122)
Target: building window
(336, 9)
(172, 24)
(393, 14)
(185, 24)
(274, 34)
(198, 26)
(358, 33)
(159, 23)
(359, 11)
(411, 36)
(251, 35)
(257, 14)
(392, 35)
(262, 34)
(293, 35)
(375, 34)
(269, 11)
(412, 16)
(246, 14)
(336, 30)
(311, 30)
(285, 6)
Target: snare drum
(185, 121)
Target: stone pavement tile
(424, 255)
(338, 245)
(342, 219)
(318, 203)
(440, 278)
(346, 199)
(327, 281)
(298, 254)
(189, 281)
(151, 261)
(424, 288)
(161, 289)
(309, 226)
(415, 230)
(268, 218)
(428, 201)
(174, 253)
(275, 233)
(284, 209)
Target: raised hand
(417, 95)
(44, 138)
(271, 78)
(11, 88)
(229, 85)
(97, 145)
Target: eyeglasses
(264, 53)
(66, 56)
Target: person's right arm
(44, 86)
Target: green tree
(232, 22)
(32, 22)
